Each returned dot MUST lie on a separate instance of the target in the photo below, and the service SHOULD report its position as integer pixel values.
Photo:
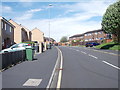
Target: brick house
(37, 35)
(46, 39)
(21, 34)
(76, 39)
(6, 33)
(94, 36)
(90, 36)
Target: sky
(66, 18)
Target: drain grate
(32, 82)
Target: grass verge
(110, 46)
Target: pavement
(39, 70)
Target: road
(81, 68)
(89, 68)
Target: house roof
(46, 38)
(6, 21)
(36, 29)
(15, 23)
(77, 35)
(25, 29)
(93, 31)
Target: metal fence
(11, 58)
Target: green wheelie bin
(29, 53)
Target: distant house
(90, 36)
(76, 39)
(37, 35)
(6, 33)
(46, 39)
(95, 36)
(21, 34)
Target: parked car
(91, 44)
(16, 47)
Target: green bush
(29, 42)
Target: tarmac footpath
(31, 74)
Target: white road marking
(32, 82)
(51, 78)
(83, 52)
(60, 72)
(112, 53)
(93, 56)
(107, 52)
(77, 50)
(111, 65)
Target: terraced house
(90, 36)
(76, 39)
(21, 34)
(6, 33)
(37, 35)
(94, 36)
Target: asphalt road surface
(82, 68)
(89, 68)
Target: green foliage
(116, 47)
(29, 42)
(63, 39)
(75, 41)
(72, 41)
(104, 44)
(110, 45)
(111, 20)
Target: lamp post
(49, 21)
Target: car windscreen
(14, 46)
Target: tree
(63, 39)
(111, 20)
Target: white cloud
(67, 26)
(6, 9)
(34, 10)
(25, 17)
(28, 14)
(97, 7)
(25, 0)
(62, 26)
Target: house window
(90, 39)
(10, 29)
(100, 32)
(86, 39)
(96, 38)
(2, 25)
(95, 33)
(5, 26)
(89, 34)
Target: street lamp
(49, 21)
